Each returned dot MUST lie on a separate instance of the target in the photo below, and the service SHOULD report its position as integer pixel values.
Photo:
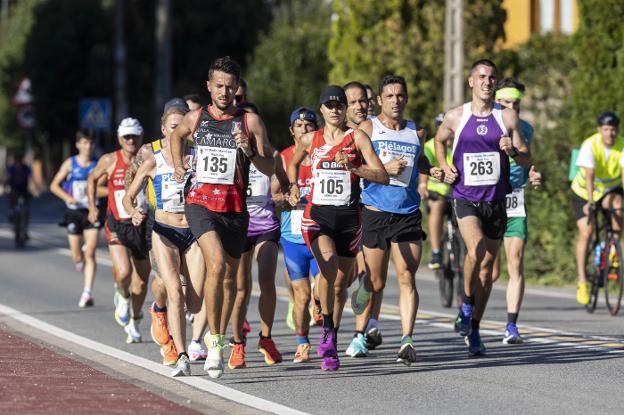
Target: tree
(289, 66)
(371, 39)
(599, 51)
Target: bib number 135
(216, 165)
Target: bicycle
(606, 256)
(451, 275)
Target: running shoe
(357, 348)
(512, 335)
(361, 296)
(462, 322)
(302, 354)
(86, 300)
(290, 316)
(266, 346)
(407, 354)
(132, 330)
(327, 350)
(316, 313)
(214, 360)
(80, 266)
(246, 328)
(189, 317)
(183, 367)
(373, 338)
(582, 293)
(196, 351)
(116, 295)
(237, 357)
(158, 328)
(436, 260)
(475, 345)
(169, 353)
(122, 311)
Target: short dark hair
(192, 97)
(86, 134)
(510, 82)
(242, 83)
(367, 86)
(227, 65)
(484, 62)
(355, 84)
(392, 79)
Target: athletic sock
(475, 324)
(264, 337)
(512, 318)
(158, 309)
(302, 338)
(198, 341)
(182, 354)
(358, 332)
(469, 299)
(328, 321)
(87, 290)
(407, 339)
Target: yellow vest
(434, 185)
(607, 172)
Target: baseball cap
(302, 113)
(176, 103)
(129, 126)
(608, 118)
(333, 93)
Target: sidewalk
(36, 380)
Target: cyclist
(17, 178)
(597, 183)
(70, 185)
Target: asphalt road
(572, 363)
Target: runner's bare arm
(136, 163)
(263, 158)
(102, 187)
(146, 169)
(445, 132)
(302, 149)
(177, 141)
(100, 170)
(515, 145)
(373, 170)
(55, 185)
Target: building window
(547, 15)
(566, 16)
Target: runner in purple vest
(485, 134)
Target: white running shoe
(132, 330)
(214, 360)
(183, 367)
(196, 351)
(86, 300)
(122, 310)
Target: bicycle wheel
(612, 276)
(445, 283)
(458, 267)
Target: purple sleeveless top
(262, 218)
(483, 168)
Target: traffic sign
(23, 96)
(95, 113)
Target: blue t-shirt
(518, 175)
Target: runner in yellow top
(436, 193)
(598, 181)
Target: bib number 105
(331, 186)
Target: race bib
(296, 216)
(119, 194)
(332, 187)
(258, 188)
(404, 178)
(172, 194)
(515, 204)
(215, 165)
(481, 169)
(79, 192)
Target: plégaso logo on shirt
(393, 146)
(482, 129)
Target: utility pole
(454, 54)
(121, 76)
(162, 78)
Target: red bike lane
(37, 380)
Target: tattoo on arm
(133, 168)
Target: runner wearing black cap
(331, 220)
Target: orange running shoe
(302, 354)
(266, 346)
(237, 358)
(159, 330)
(317, 316)
(169, 353)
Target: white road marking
(198, 382)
